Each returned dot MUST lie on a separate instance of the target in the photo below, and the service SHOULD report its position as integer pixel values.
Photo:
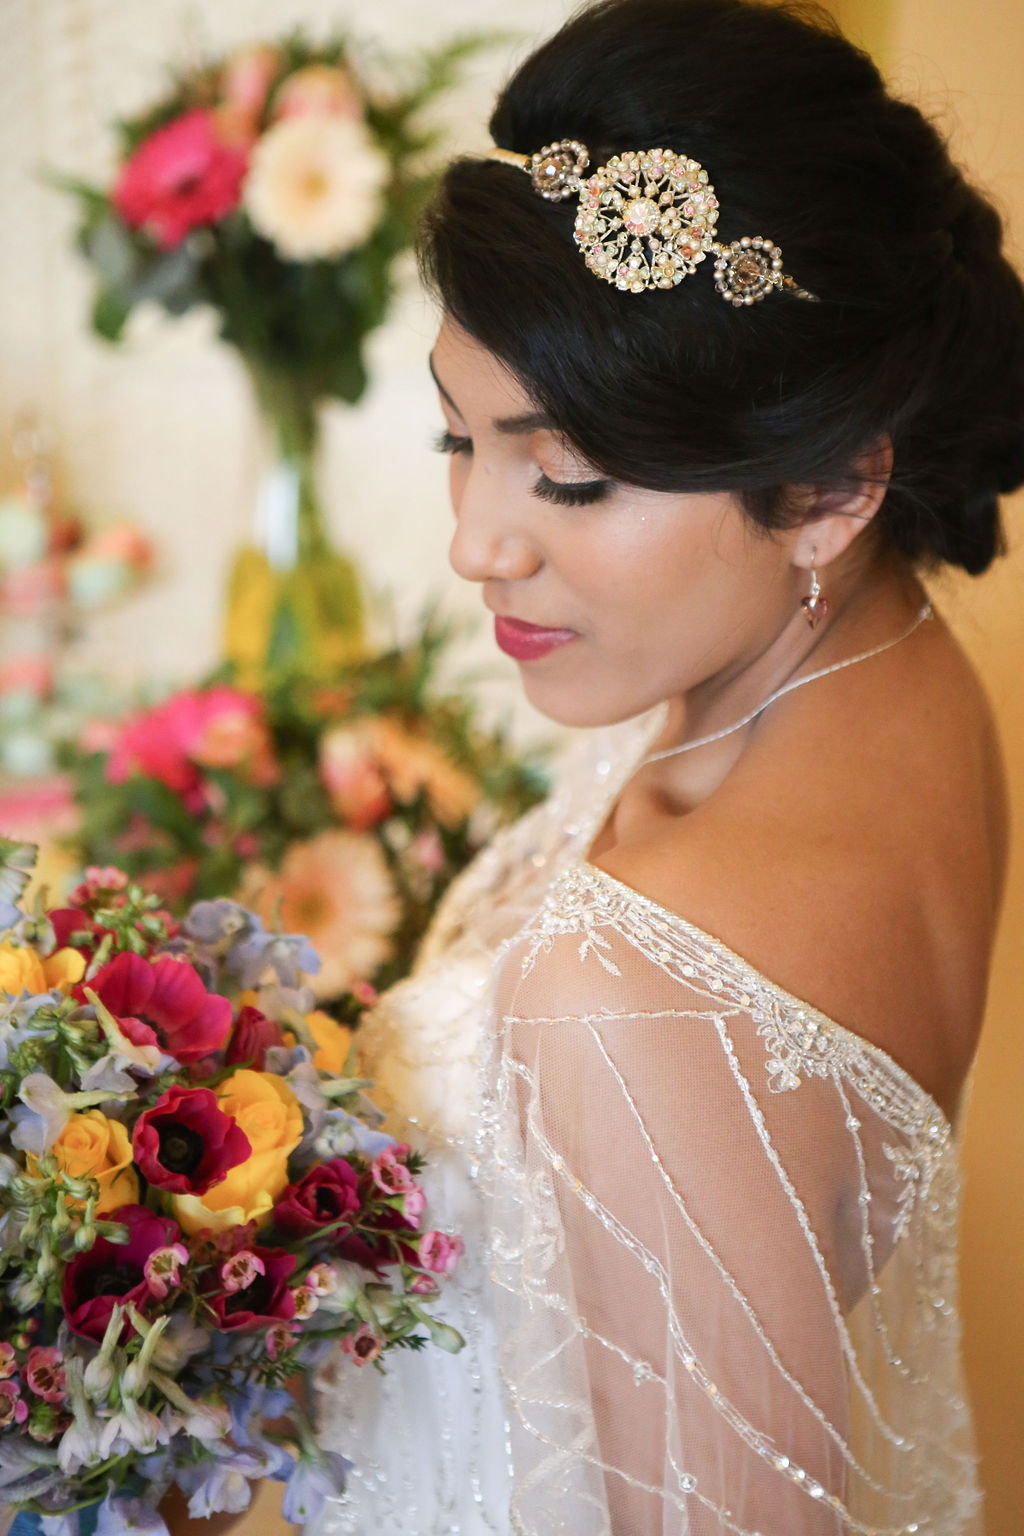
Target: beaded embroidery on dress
(721, 1289)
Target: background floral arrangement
(345, 808)
(277, 186)
(195, 1202)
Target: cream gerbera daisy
(337, 890)
(314, 186)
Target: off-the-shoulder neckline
(790, 1000)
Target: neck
(866, 608)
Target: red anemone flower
(112, 1274)
(186, 1143)
(168, 996)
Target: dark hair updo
(920, 328)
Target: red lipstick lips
(528, 642)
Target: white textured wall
(161, 429)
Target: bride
(729, 354)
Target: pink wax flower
(280, 1338)
(362, 1346)
(239, 1272)
(44, 1373)
(8, 1361)
(390, 1173)
(162, 1269)
(100, 883)
(440, 1253)
(267, 1300)
(13, 1408)
(322, 1280)
(414, 1203)
(184, 175)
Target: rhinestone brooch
(647, 218)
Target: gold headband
(646, 219)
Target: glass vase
(294, 601)
(26, 1524)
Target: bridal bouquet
(196, 1203)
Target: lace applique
(799, 1041)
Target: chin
(580, 708)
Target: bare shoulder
(856, 855)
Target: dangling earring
(814, 605)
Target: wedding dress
(711, 1274)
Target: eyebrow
(508, 426)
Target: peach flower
(337, 890)
(244, 85)
(354, 783)
(412, 763)
(314, 186)
(319, 90)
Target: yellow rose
(333, 1042)
(91, 1146)
(22, 970)
(269, 1114)
(64, 969)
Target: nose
(485, 548)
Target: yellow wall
(967, 60)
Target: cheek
(458, 471)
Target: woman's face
(609, 597)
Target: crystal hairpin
(647, 218)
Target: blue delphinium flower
(312, 1483)
(121, 1515)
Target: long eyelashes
(447, 442)
(577, 493)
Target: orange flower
(412, 763)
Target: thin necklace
(925, 612)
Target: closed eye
(561, 493)
(447, 442)
(571, 493)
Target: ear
(832, 519)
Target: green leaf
(17, 861)
(110, 313)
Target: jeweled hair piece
(646, 219)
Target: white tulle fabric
(712, 1278)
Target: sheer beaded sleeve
(723, 1231)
